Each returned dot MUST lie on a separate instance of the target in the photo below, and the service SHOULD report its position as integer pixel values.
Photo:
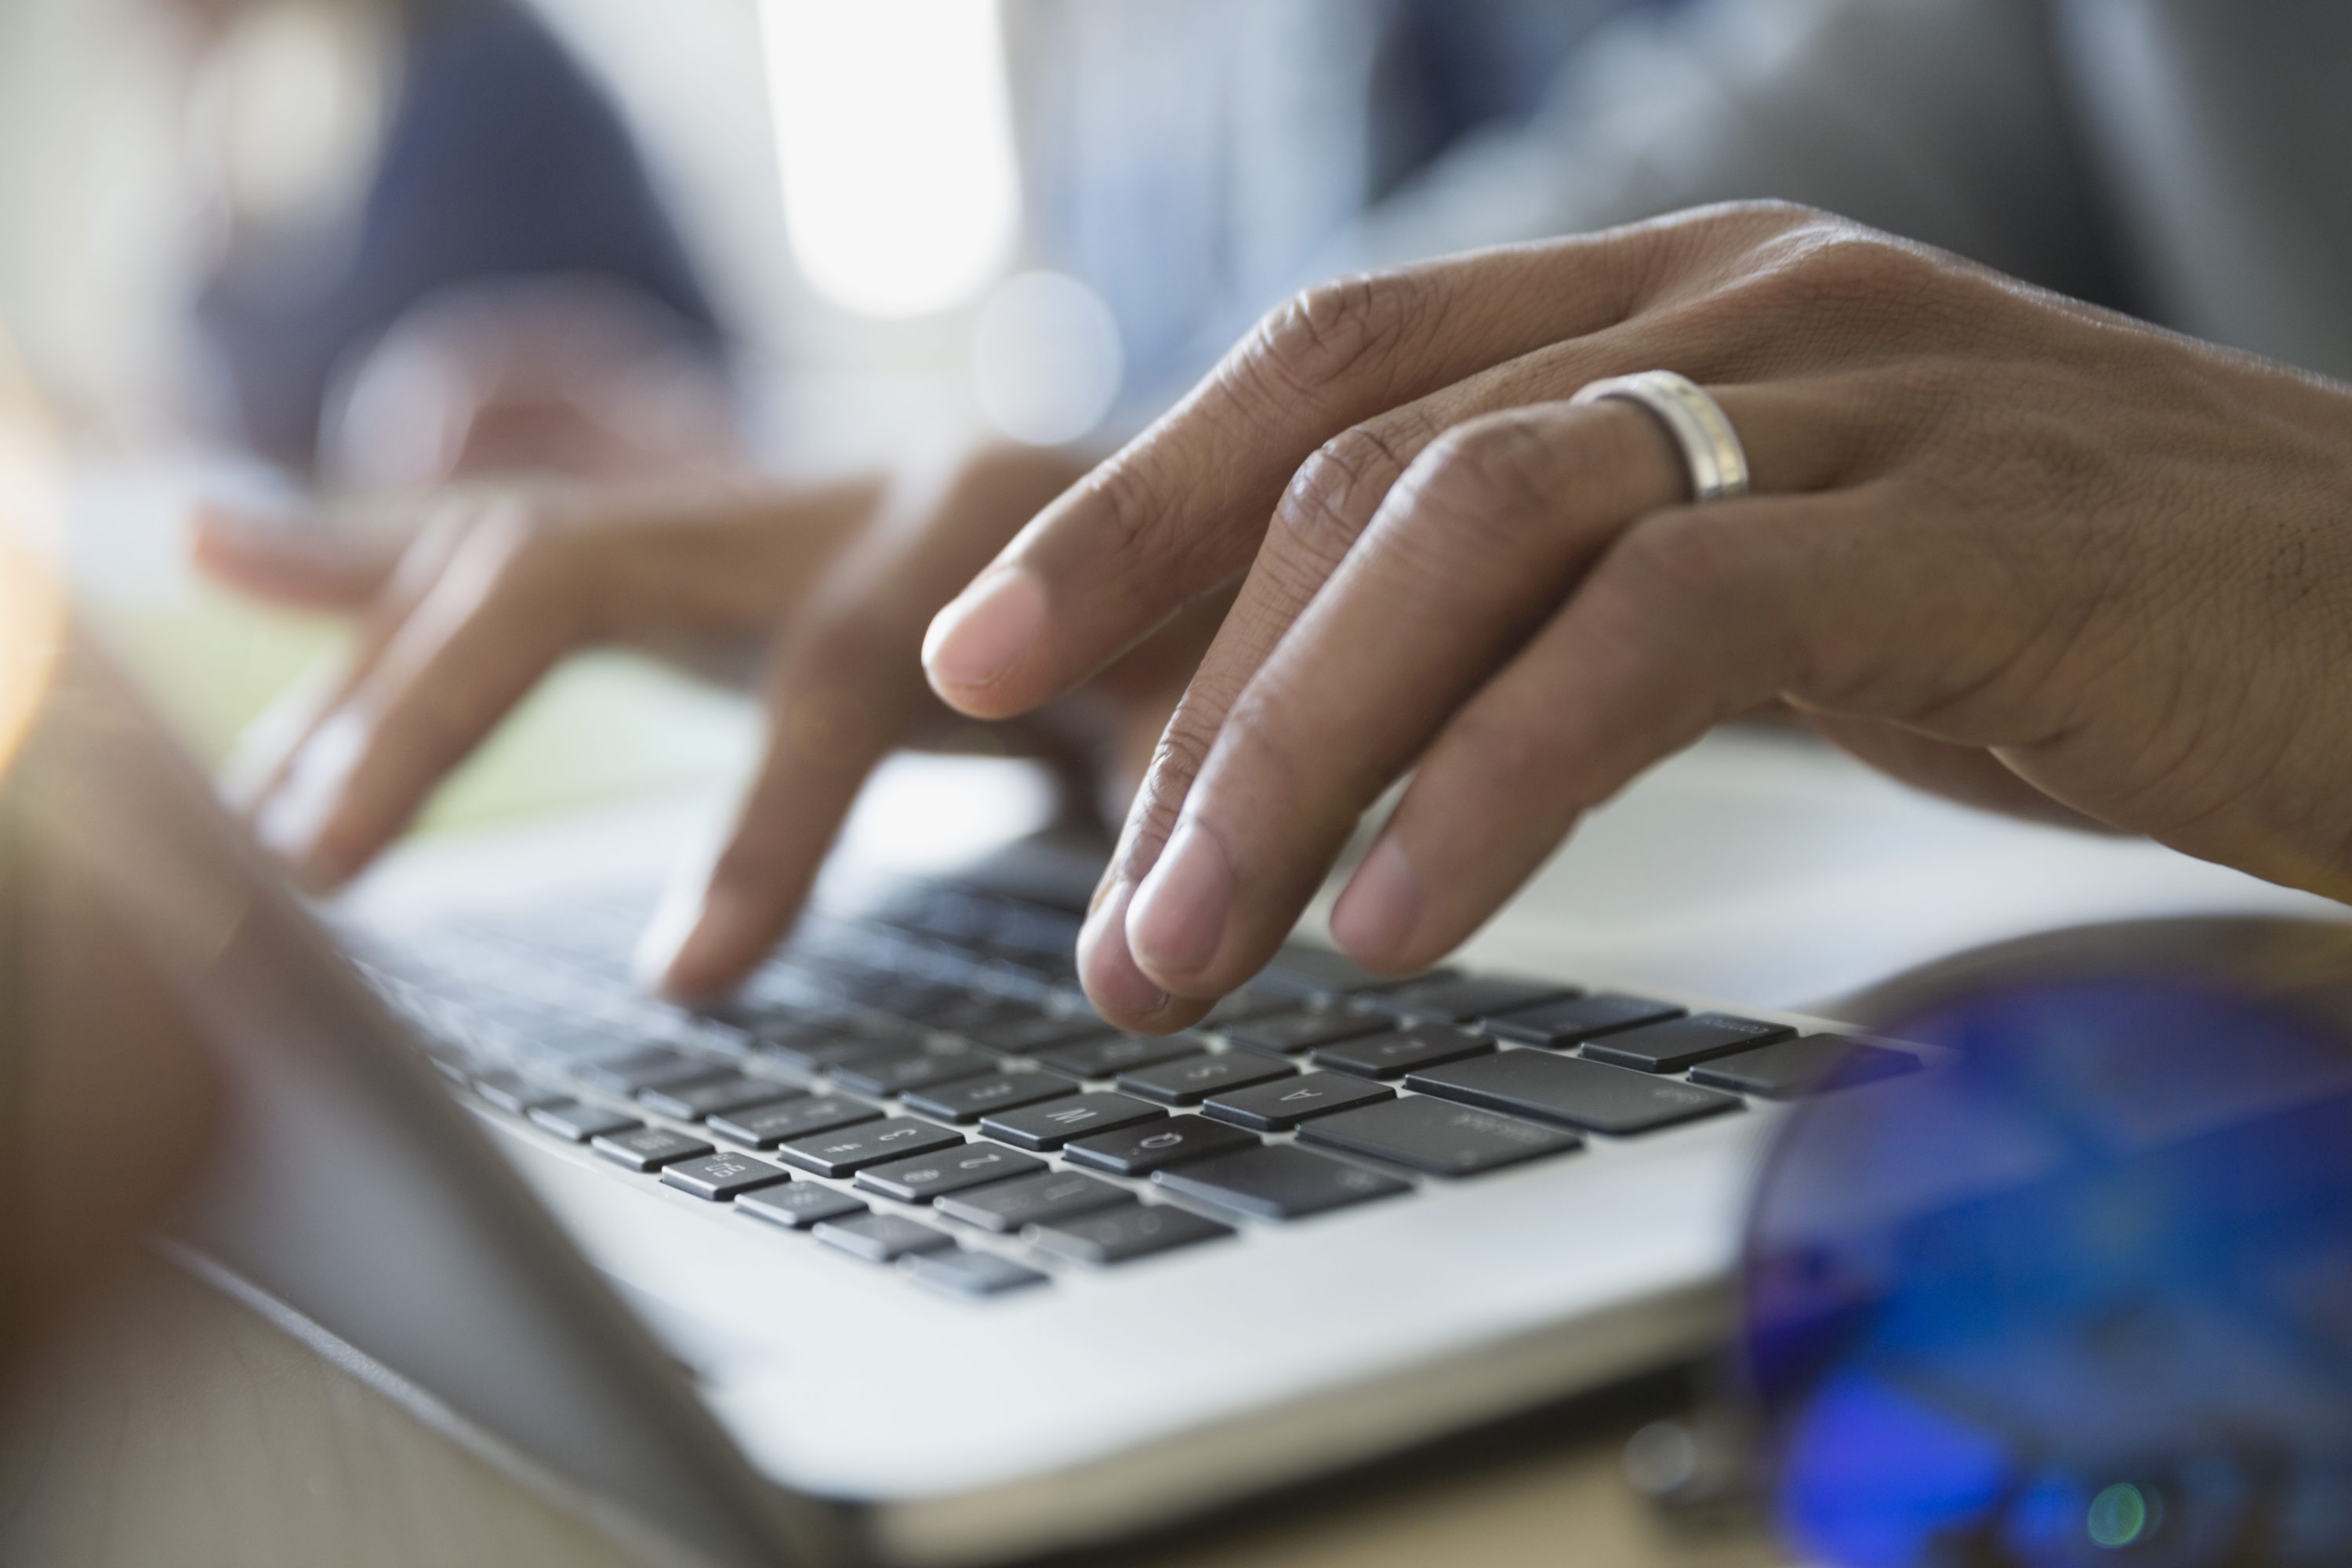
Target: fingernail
(985, 631)
(1117, 987)
(1380, 905)
(293, 823)
(1177, 918)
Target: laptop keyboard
(927, 1088)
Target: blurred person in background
(2175, 159)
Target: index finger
(1181, 509)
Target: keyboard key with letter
(1684, 1042)
(770, 1125)
(1461, 1000)
(1055, 1122)
(1006, 1207)
(736, 1091)
(1586, 1094)
(1109, 1057)
(1115, 1235)
(926, 1176)
(1275, 1183)
(647, 1148)
(798, 1206)
(720, 1177)
(1191, 1079)
(1140, 1151)
(852, 1149)
(1389, 1055)
(1577, 1020)
(1282, 1105)
(1439, 1136)
(580, 1121)
(1293, 1032)
(882, 1238)
(973, 1098)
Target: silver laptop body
(718, 1388)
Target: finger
(1698, 614)
(265, 753)
(1181, 510)
(846, 686)
(288, 561)
(1815, 434)
(1487, 532)
(493, 622)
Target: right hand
(496, 586)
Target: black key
(1577, 1020)
(798, 1206)
(1276, 1182)
(1191, 1079)
(1140, 1151)
(853, 1148)
(1460, 1001)
(1279, 1107)
(736, 1091)
(1585, 1094)
(1116, 1053)
(580, 1121)
(1686, 1042)
(1809, 1066)
(654, 1067)
(513, 1092)
(967, 1273)
(720, 1177)
(770, 1125)
(1027, 1030)
(1321, 975)
(647, 1148)
(1115, 1235)
(1386, 1055)
(1290, 1032)
(1439, 1136)
(959, 1011)
(882, 1238)
(926, 1176)
(1055, 1122)
(1007, 1206)
(976, 1097)
(895, 1070)
(1245, 1007)
(817, 1049)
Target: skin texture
(2024, 552)
(828, 587)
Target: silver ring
(1716, 463)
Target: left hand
(2002, 545)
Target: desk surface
(181, 1428)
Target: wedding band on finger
(1712, 455)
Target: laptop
(903, 1257)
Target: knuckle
(1336, 492)
(1333, 334)
(1680, 563)
(1484, 478)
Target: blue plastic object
(2082, 1295)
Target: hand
(2002, 545)
(500, 583)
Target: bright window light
(895, 133)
